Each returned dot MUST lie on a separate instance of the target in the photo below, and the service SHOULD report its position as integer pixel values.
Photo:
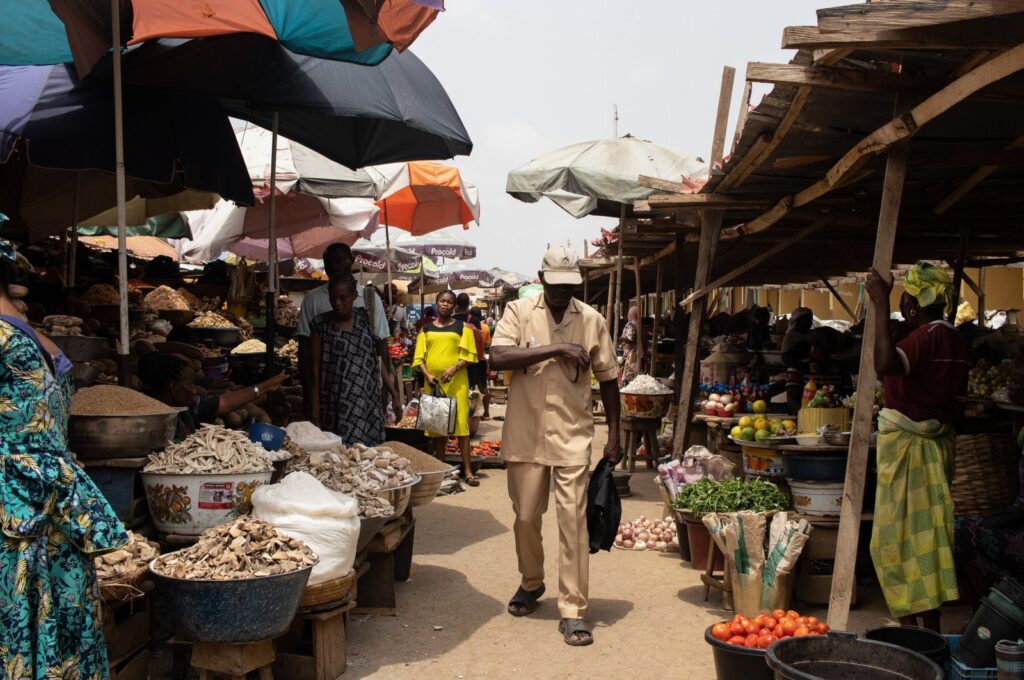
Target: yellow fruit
(760, 406)
(788, 425)
(746, 421)
(760, 424)
(736, 432)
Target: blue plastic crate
(957, 671)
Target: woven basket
(328, 592)
(985, 479)
(126, 587)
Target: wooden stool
(711, 581)
(233, 661)
(640, 431)
(389, 556)
(316, 647)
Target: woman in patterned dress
(54, 519)
(348, 370)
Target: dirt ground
(647, 610)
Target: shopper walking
(552, 343)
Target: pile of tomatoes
(764, 629)
(488, 447)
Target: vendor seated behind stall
(171, 380)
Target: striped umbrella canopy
(425, 196)
(358, 31)
(435, 245)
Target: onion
(643, 535)
(652, 544)
(667, 536)
(640, 545)
(626, 533)
(661, 545)
(627, 543)
(647, 524)
(618, 540)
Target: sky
(532, 76)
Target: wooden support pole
(958, 269)
(618, 272)
(722, 122)
(981, 297)
(610, 309)
(711, 227)
(681, 325)
(657, 320)
(741, 119)
(763, 257)
(860, 441)
(837, 296)
(640, 316)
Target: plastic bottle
(810, 390)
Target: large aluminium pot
(120, 436)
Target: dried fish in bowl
(251, 347)
(135, 555)
(164, 298)
(211, 320)
(241, 549)
(211, 450)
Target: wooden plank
(981, 297)
(911, 14)
(610, 309)
(761, 150)
(701, 201)
(837, 296)
(687, 378)
(880, 140)
(856, 79)
(680, 324)
(976, 178)
(640, 314)
(860, 441)
(941, 38)
(669, 186)
(722, 119)
(664, 252)
(958, 269)
(657, 320)
(755, 261)
(741, 119)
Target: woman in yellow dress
(444, 347)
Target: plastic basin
(645, 405)
(187, 505)
(737, 663)
(916, 639)
(822, 499)
(841, 657)
(244, 610)
(270, 437)
(216, 371)
(817, 467)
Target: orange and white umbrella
(424, 196)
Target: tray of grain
(430, 470)
(116, 422)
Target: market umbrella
(61, 31)
(400, 264)
(600, 178)
(458, 276)
(167, 225)
(436, 245)
(144, 247)
(57, 140)
(304, 226)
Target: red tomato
(788, 626)
(751, 628)
(752, 640)
(801, 632)
(720, 631)
(771, 624)
(737, 619)
(779, 614)
(812, 621)
(738, 640)
(765, 641)
(822, 628)
(736, 628)
(801, 621)
(792, 614)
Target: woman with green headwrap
(912, 536)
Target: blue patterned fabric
(54, 520)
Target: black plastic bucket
(990, 624)
(920, 640)
(737, 663)
(844, 657)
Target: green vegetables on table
(731, 495)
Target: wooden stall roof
(862, 67)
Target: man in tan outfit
(551, 344)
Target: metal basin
(399, 496)
(222, 337)
(85, 375)
(100, 437)
(81, 347)
(426, 489)
(177, 317)
(244, 610)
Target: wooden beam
(981, 297)
(668, 186)
(687, 377)
(837, 296)
(664, 252)
(680, 324)
(782, 244)
(883, 138)
(722, 120)
(741, 120)
(764, 146)
(639, 309)
(657, 321)
(939, 39)
(860, 440)
(700, 201)
(971, 284)
(877, 16)
(958, 269)
(976, 178)
(856, 79)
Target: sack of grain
(303, 508)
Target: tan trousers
(529, 485)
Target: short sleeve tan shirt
(549, 419)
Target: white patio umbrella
(600, 178)
(438, 244)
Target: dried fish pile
(101, 294)
(164, 298)
(358, 471)
(241, 549)
(133, 556)
(211, 320)
(251, 347)
(213, 450)
(61, 324)
(287, 312)
(290, 351)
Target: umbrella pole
(73, 248)
(387, 247)
(122, 228)
(272, 251)
(423, 283)
(618, 274)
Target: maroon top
(936, 364)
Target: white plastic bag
(437, 415)
(309, 437)
(303, 508)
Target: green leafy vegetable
(731, 495)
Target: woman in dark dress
(347, 370)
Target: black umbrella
(57, 140)
(355, 115)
